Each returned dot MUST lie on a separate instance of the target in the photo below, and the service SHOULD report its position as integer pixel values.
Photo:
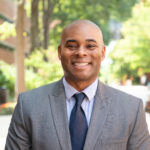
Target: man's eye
(72, 46)
(91, 46)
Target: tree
(132, 53)
(34, 30)
(19, 53)
(47, 9)
(64, 12)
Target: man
(78, 112)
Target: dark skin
(81, 52)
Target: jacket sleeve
(139, 138)
(18, 138)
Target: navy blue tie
(78, 124)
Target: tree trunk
(19, 53)
(47, 12)
(46, 31)
(34, 30)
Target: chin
(82, 78)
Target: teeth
(80, 64)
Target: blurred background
(30, 33)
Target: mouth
(80, 64)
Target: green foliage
(132, 52)
(98, 11)
(27, 7)
(38, 72)
(6, 111)
(7, 77)
(7, 108)
(6, 30)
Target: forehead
(81, 32)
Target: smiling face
(81, 52)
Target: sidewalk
(148, 121)
(4, 124)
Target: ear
(103, 53)
(59, 52)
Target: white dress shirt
(87, 104)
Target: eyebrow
(88, 40)
(91, 40)
(71, 41)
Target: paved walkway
(4, 124)
(148, 121)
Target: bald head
(84, 24)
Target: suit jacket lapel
(59, 112)
(99, 114)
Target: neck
(79, 85)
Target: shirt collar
(90, 91)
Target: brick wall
(8, 9)
(7, 56)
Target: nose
(81, 52)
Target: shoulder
(37, 100)
(123, 105)
(45, 89)
(120, 99)
(111, 91)
(40, 93)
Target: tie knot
(79, 98)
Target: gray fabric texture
(40, 121)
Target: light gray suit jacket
(40, 121)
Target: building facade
(7, 47)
